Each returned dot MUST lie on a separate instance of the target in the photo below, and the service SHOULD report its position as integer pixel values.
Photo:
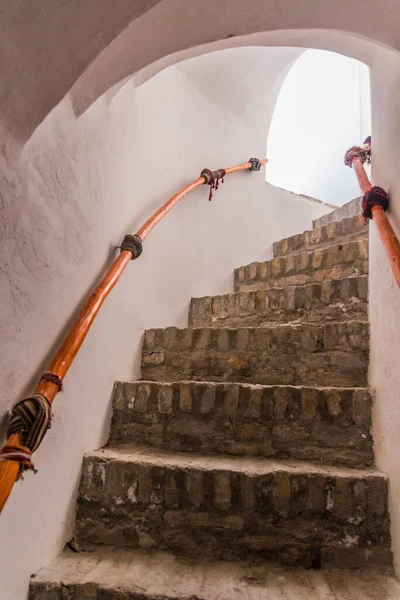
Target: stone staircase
(241, 466)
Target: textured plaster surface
(45, 47)
(384, 292)
(97, 175)
(189, 29)
(67, 199)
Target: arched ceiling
(47, 47)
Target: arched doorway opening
(322, 109)
(117, 203)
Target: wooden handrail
(375, 201)
(51, 382)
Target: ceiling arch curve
(173, 31)
(52, 47)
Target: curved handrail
(14, 455)
(375, 202)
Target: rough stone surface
(330, 300)
(331, 354)
(334, 232)
(333, 262)
(207, 456)
(348, 210)
(115, 574)
(233, 508)
(325, 425)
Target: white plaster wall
(46, 46)
(365, 100)
(38, 63)
(384, 303)
(189, 28)
(67, 199)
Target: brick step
(233, 508)
(325, 425)
(331, 300)
(350, 209)
(334, 262)
(329, 355)
(116, 574)
(339, 231)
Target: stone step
(338, 231)
(233, 508)
(325, 425)
(346, 211)
(117, 574)
(331, 300)
(329, 355)
(334, 262)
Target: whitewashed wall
(44, 49)
(67, 200)
(384, 293)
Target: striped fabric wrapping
(376, 196)
(18, 454)
(31, 418)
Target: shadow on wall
(323, 108)
(90, 171)
(79, 185)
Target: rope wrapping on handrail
(375, 202)
(19, 454)
(53, 378)
(357, 152)
(213, 179)
(376, 196)
(30, 418)
(373, 195)
(133, 243)
(256, 164)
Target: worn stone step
(331, 300)
(334, 262)
(338, 231)
(330, 354)
(233, 508)
(346, 211)
(116, 574)
(325, 425)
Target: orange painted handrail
(160, 214)
(355, 157)
(363, 180)
(389, 240)
(51, 382)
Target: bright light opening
(323, 108)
